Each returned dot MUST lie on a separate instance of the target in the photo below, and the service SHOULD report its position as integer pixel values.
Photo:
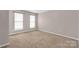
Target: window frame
(14, 21)
(34, 22)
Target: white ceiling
(38, 11)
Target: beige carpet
(38, 39)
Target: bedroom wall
(78, 24)
(61, 22)
(4, 20)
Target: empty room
(39, 28)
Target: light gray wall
(4, 20)
(63, 22)
(11, 17)
(26, 21)
(78, 24)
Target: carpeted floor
(38, 39)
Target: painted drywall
(63, 22)
(26, 22)
(4, 20)
(78, 24)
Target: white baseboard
(60, 35)
(17, 32)
(3, 45)
(21, 32)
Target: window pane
(32, 21)
(18, 21)
(18, 17)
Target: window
(32, 21)
(18, 21)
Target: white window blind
(32, 21)
(18, 21)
